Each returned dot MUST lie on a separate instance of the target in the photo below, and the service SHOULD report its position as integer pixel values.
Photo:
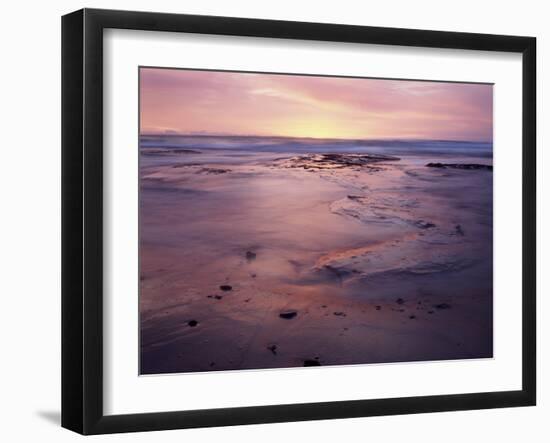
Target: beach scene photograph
(298, 221)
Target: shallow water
(338, 244)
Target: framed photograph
(269, 221)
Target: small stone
(273, 349)
(226, 287)
(192, 323)
(412, 317)
(218, 297)
(424, 224)
(442, 306)
(250, 255)
(430, 312)
(288, 314)
(378, 307)
(399, 301)
(339, 314)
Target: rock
(412, 317)
(469, 166)
(288, 314)
(218, 297)
(378, 307)
(273, 349)
(192, 323)
(423, 224)
(339, 314)
(331, 161)
(250, 255)
(400, 301)
(226, 287)
(311, 363)
(213, 171)
(459, 230)
(430, 312)
(442, 306)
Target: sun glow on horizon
(214, 102)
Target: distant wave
(290, 144)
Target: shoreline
(350, 235)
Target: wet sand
(274, 260)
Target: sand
(270, 260)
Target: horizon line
(190, 134)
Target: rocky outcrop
(469, 166)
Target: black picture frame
(82, 218)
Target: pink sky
(303, 106)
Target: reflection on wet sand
(256, 260)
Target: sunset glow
(228, 103)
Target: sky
(230, 103)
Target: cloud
(251, 103)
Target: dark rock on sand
(288, 314)
(469, 166)
(378, 307)
(218, 297)
(442, 306)
(192, 323)
(226, 287)
(423, 224)
(273, 349)
(459, 230)
(213, 171)
(331, 160)
(400, 301)
(339, 314)
(412, 317)
(250, 255)
(311, 363)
